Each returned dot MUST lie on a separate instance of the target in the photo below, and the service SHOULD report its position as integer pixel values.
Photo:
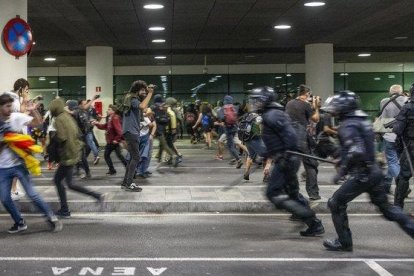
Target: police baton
(311, 157)
(408, 157)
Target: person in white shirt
(11, 166)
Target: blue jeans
(91, 144)
(6, 179)
(393, 164)
(145, 149)
(256, 147)
(230, 133)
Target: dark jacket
(67, 134)
(113, 129)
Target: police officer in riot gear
(357, 153)
(279, 136)
(404, 128)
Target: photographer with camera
(135, 102)
(304, 112)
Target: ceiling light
(50, 59)
(401, 37)
(34, 43)
(391, 76)
(364, 55)
(282, 27)
(52, 81)
(278, 77)
(377, 79)
(250, 83)
(211, 80)
(153, 6)
(314, 4)
(218, 76)
(160, 57)
(42, 78)
(288, 75)
(83, 86)
(158, 41)
(343, 74)
(156, 28)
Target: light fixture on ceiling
(288, 75)
(34, 43)
(364, 55)
(156, 28)
(391, 76)
(218, 76)
(278, 77)
(52, 81)
(83, 86)
(49, 59)
(250, 83)
(153, 6)
(160, 57)
(158, 41)
(314, 4)
(400, 37)
(343, 74)
(377, 78)
(282, 27)
(42, 78)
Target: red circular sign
(17, 37)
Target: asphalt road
(200, 244)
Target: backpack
(230, 115)
(206, 120)
(248, 127)
(190, 118)
(161, 116)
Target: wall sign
(17, 37)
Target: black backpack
(246, 131)
(161, 116)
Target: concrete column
(319, 65)
(99, 73)
(11, 68)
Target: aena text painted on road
(119, 271)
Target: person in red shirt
(113, 136)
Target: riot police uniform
(356, 139)
(279, 136)
(404, 128)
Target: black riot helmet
(345, 103)
(261, 97)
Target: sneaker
(18, 227)
(315, 229)
(335, 245)
(239, 164)
(169, 161)
(15, 196)
(86, 176)
(265, 179)
(177, 161)
(146, 174)
(55, 224)
(96, 161)
(219, 157)
(111, 173)
(124, 186)
(408, 192)
(233, 162)
(133, 188)
(246, 176)
(316, 197)
(140, 175)
(63, 214)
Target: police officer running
(356, 138)
(404, 128)
(279, 136)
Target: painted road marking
(138, 214)
(201, 259)
(377, 268)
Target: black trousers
(133, 149)
(283, 190)
(84, 161)
(402, 181)
(65, 172)
(109, 148)
(370, 182)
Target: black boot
(335, 245)
(315, 229)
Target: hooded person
(68, 150)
